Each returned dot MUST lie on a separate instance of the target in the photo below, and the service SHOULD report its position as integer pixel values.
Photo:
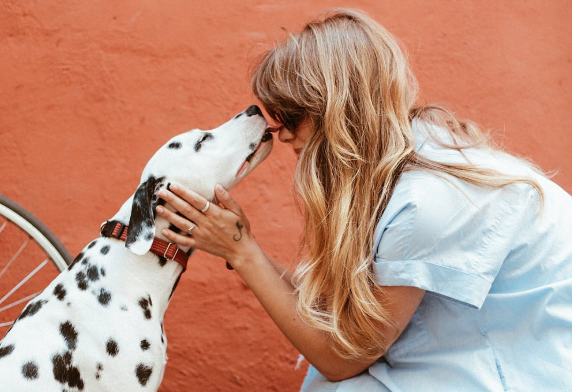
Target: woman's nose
(284, 134)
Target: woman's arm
(278, 299)
(225, 232)
(285, 272)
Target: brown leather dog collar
(161, 248)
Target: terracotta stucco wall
(89, 90)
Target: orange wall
(89, 90)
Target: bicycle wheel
(31, 256)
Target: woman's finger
(190, 197)
(224, 198)
(183, 206)
(177, 220)
(179, 239)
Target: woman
(433, 260)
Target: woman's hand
(222, 230)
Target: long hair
(348, 76)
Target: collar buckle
(101, 227)
(167, 249)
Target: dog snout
(253, 110)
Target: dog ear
(142, 221)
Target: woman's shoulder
(421, 202)
(427, 193)
(422, 191)
(428, 210)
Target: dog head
(198, 160)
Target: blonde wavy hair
(348, 76)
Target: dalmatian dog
(99, 325)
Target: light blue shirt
(497, 314)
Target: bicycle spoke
(24, 280)
(21, 234)
(18, 302)
(15, 256)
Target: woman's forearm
(284, 272)
(277, 296)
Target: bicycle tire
(39, 232)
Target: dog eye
(206, 136)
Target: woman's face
(297, 137)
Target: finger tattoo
(239, 227)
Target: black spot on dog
(5, 351)
(149, 236)
(32, 309)
(104, 297)
(175, 285)
(102, 271)
(205, 137)
(92, 244)
(143, 373)
(162, 261)
(30, 371)
(252, 146)
(238, 115)
(76, 260)
(104, 250)
(69, 334)
(124, 308)
(65, 372)
(145, 345)
(81, 279)
(99, 369)
(93, 273)
(162, 334)
(60, 292)
(85, 260)
(112, 347)
(175, 145)
(145, 304)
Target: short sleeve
(445, 236)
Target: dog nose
(253, 111)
